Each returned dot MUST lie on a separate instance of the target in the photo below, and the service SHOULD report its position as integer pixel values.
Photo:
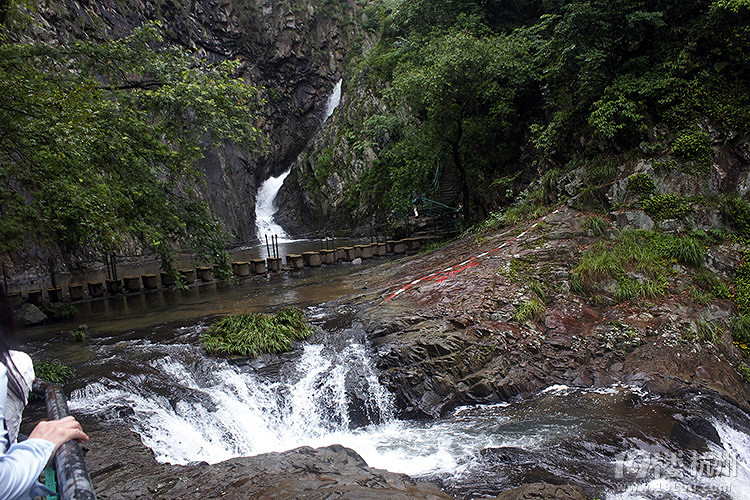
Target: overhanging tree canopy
(99, 143)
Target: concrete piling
(312, 259)
(327, 257)
(35, 297)
(166, 281)
(76, 291)
(15, 298)
(96, 289)
(241, 269)
(258, 266)
(188, 276)
(150, 281)
(205, 274)
(399, 247)
(363, 251)
(273, 264)
(55, 294)
(295, 261)
(114, 287)
(413, 244)
(132, 284)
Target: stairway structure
(436, 206)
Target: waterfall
(265, 200)
(333, 101)
(265, 208)
(188, 408)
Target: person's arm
(21, 466)
(22, 463)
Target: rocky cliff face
(323, 193)
(295, 50)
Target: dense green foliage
(59, 311)
(53, 371)
(99, 143)
(256, 334)
(494, 89)
(742, 287)
(737, 212)
(665, 206)
(641, 185)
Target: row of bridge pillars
(241, 269)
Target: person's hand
(59, 431)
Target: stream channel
(142, 367)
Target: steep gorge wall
(323, 193)
(294, 50)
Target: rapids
(142, 367)
(616, 442)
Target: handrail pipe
(73, 480)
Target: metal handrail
(73, 480)
(441, 205)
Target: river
(142, 367)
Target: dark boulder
(693, 432)
(121, 467)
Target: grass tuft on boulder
(255, 334)
(54, 371)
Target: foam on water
(189, 408)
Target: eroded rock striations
(457, 339)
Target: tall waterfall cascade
(265, 208)
(265, 200)
(333, 101)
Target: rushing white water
(265, 208)
(265, 199)
(224, 411)
(333, 101)
(187, 407)
(718, 472)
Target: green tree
(462, 88)
(99, 143)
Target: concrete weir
(241, 269)
(327, 257)
(258, 266)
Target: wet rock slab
(121, 467)
(456, 340)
